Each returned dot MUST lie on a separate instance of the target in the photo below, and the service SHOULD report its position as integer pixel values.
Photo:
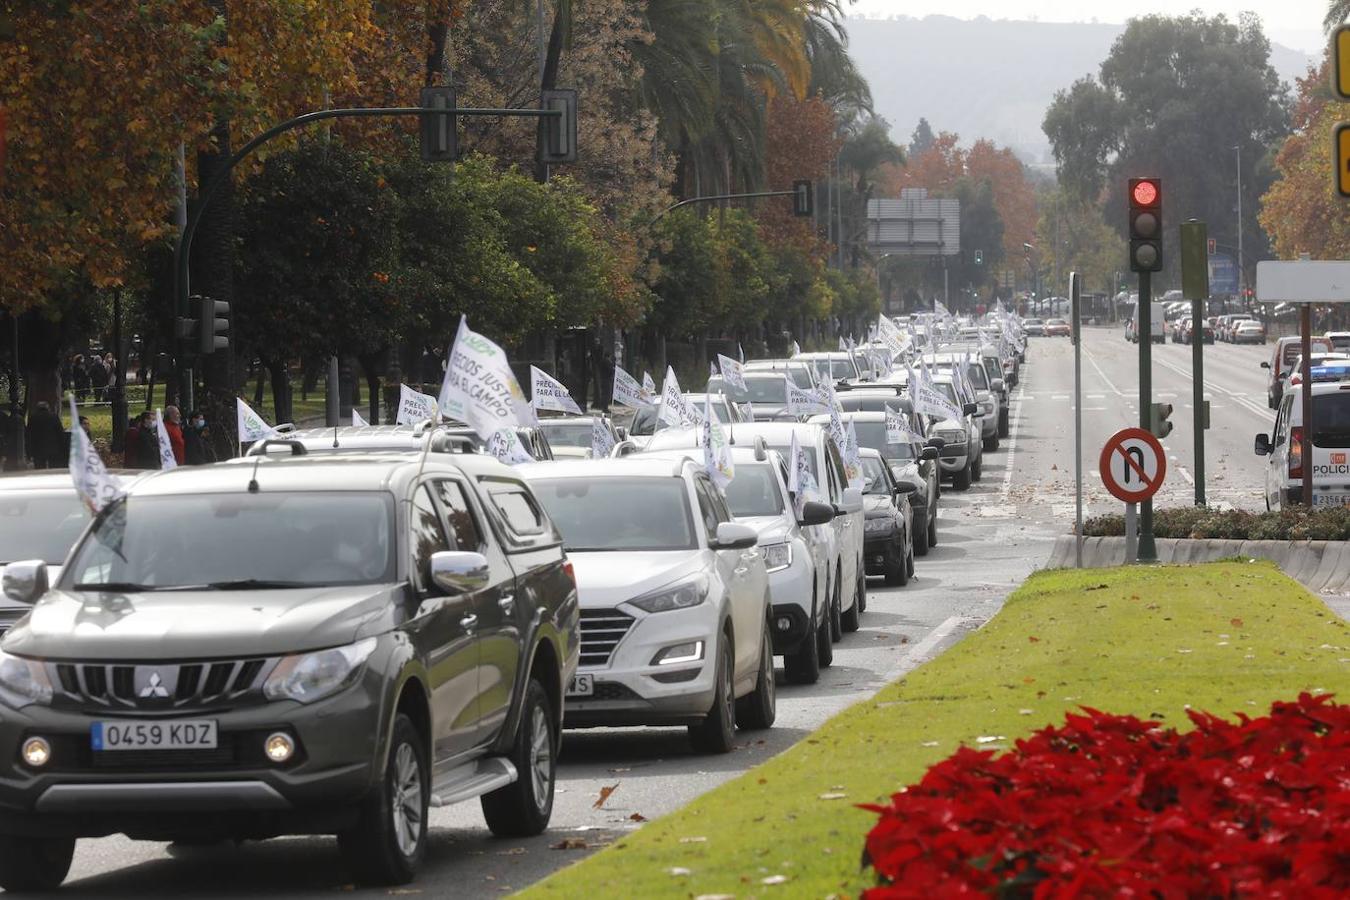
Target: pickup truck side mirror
(930, 453)
(25, 581)
(937, 443)
(905, 487)
(997, 386)
(1265, 364)
(1263, 445)
(456, 572)
(971, 409)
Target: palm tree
(1337, 12)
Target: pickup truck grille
(601, 631)
(161, 686)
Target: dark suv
(289, 646)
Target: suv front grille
(162, 686)
(601, 631)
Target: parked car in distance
(1287, 352)
(1248, 331)
(1057, 328)
(1033, 327)
(888, 525)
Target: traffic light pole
(1198, 395)
(1148, 551)
(183, 250)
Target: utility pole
(1242, 273)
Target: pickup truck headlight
(308, 677)
(881, 525)
(952, 437)
(777, 556)
(676, 596)
(987, 407)
(23, 682)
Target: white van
(1158, 326)
(1330, 442)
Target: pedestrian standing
(147, 443)
(80, 376)
(98, 378)
(46, 437)
(173, 427)
(197, 440)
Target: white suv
(675, 613)
(796, 554)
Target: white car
(570, 436)
(41, 518)
(796, 554)
(977, 379)
(847, 576)
(839, 365)
(675, 611)
(1330, 442)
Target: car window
(40, 525)
(427, 537)
(706, 509)
(1283, 418)
(464, 531)
(521, 514)
(619, 514)
(835, 469)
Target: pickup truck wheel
(34, 863)
(803, 664)
(961, 480)
(897, 568)
(991, 442)
(932, 531)
(1003, 423)
(390, 838)
(758, 708)
(977, 468)
(921, 542)
(718, 728)
(523, 808)
(860, 598)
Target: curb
(1318, 565)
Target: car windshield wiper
(258, 584)
(132, 587)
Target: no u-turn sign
(1132, 465)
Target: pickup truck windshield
(39, 525)
(238, 541)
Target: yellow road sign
(1340, 70)
(1340, 155)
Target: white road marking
(997, 512)
(923, 649)
(1115, 390)
(1190, 479)
(1240, 399)
(1012, 442)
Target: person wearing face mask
(197, 440)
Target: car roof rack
(297, 447)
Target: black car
(269, 646)
(888, 545)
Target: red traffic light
(1144, 193)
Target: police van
(1283, 447)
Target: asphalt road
(990, 538)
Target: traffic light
(1158, 420)
(1145, 225)
(803, 198)
(440, 143)
(979, 257)
(558, 134)
(212, 324)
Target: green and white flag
(95, 485)
(505, 445)
(602, 439)
(733, 373)
(251, 426)
(166, 458)
(414, 406)
(549, 393)
(627, 391)
(480, 389)
(853, 458)
(716, 449)
(357, 421)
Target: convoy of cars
(405, 621)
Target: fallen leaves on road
(514, 851)
(604, 795)
(637, 817)
(571, 843)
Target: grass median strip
(1224, 637)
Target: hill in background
(986, 78)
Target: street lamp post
(1242, 275)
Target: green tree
(981, 229)
(1173, 98)
(922, 138)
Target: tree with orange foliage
(1014, 197)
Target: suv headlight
(308, 677)
(878, 526)
(777, 556)
(953, 437)
(676, 596)
(23, 682)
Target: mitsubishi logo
(154, 688)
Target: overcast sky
(1294, 23)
